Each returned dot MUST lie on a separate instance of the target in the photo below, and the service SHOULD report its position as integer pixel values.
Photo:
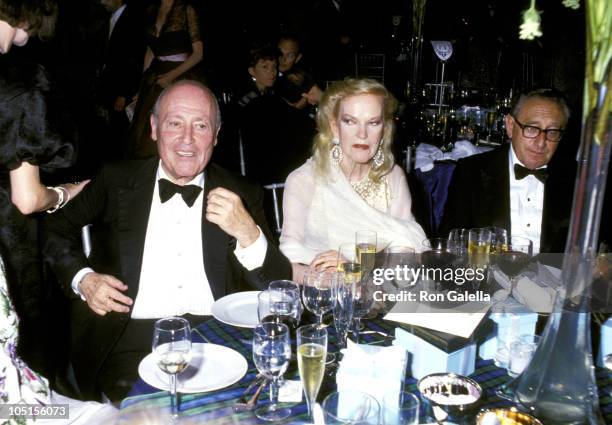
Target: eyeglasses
(531, 132)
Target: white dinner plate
(239, 309)
(212, 367)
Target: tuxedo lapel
(134, 205)
(215, 242)
(495, 194)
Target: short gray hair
(551, 95)
(192, 83)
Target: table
(216, 407)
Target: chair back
(277, 200)
(370, 65)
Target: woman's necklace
(376, 195)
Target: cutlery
(246, 404)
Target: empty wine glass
(317, 293)
(271, 354)
(311, 352)
(281, 305)
(351, 407)
(172, 350)
(460, 239)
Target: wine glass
(343, 288)
(514, 257)
(460, 239)
(317, 293)
(271, 354)
(351, 407)
(279, 306)
(285, 287)
(479, 246)
(311, 351)
(172, 350)
(399, 257)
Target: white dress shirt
(114, 18)
(526, 204)
(172, 277)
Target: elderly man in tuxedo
(519, 187)
(170, 236)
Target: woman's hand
(325, 260)
(74, 188)
(164, 80)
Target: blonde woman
(350, 183)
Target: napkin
(426, 154)
(372, 369)
(534, 289)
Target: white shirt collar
(514, 160)
(161, 174)
(114, 18)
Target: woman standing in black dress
(174, 47)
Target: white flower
(572, 4)
(530, 28)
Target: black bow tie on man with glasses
(521, 172)
(189, 192)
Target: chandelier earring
(336, 153)
(379, 157)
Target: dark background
(488, 55)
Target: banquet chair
(370, 65)
(277, 204)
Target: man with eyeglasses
(518, 187)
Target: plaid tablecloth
(146, 404)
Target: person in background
(169, 237)
(351, 182)
(520, 187)
(30, 138)
(296, 83)
(174, 48)
(121, 71)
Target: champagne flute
(348, 260)
(365, 245)
(172, 350)
(271, 354)
(343, 287)
(399, 256)
(311, 350)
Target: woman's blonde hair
(329, 108)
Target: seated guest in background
(351, 182)
(174, 48)
(275, 136)
(520, 187)
(263, 70)
(155, 254)
(30, 138)
(296, 83)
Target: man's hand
(102, 293)
(225, 209)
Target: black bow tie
(521, 172)
(189, 192)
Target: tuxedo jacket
(117, 203)
(479, 196)
(123, 56)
